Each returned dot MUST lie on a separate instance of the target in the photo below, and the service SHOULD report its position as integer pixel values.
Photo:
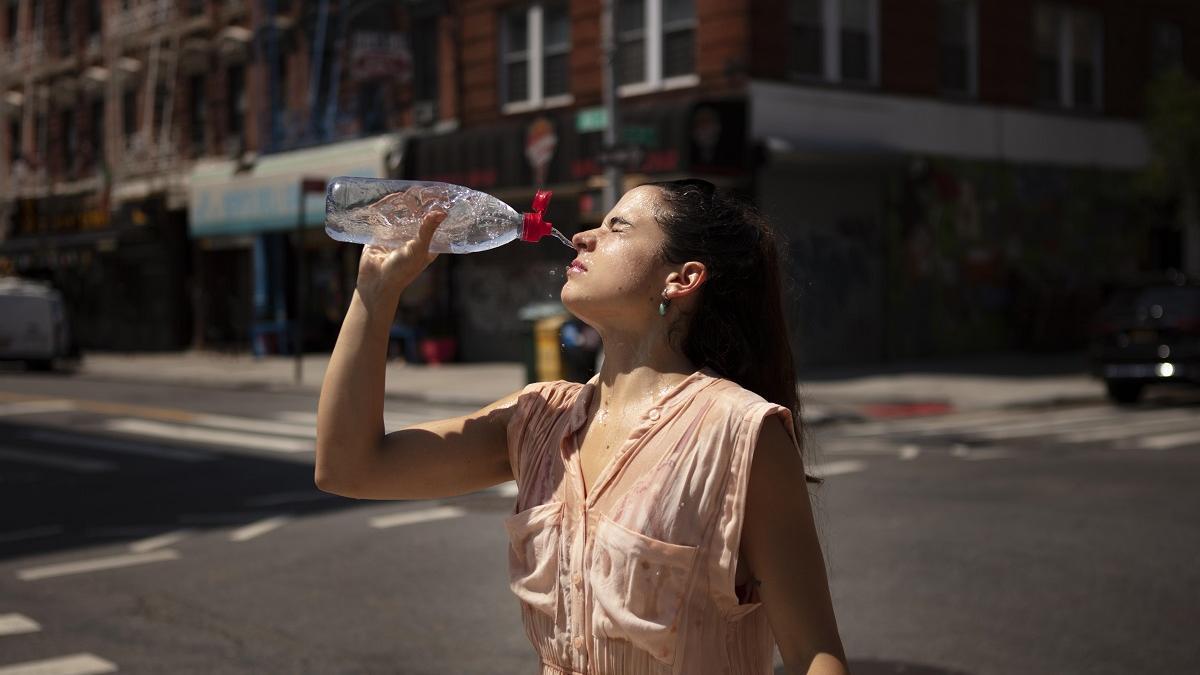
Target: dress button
(578, 579)
(653, 414)
(579, 642)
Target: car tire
(1124, 392)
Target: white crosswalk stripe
(114, 445)
(196, 434)
(419, 516)
(36, 407)
(94, 565)
(1120, 428)
(76, 664)
(17, 624)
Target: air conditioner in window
(424, 113)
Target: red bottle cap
(535, 227)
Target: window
(14, 141)
(958, 52)
(129, 114)
(94, 18)
(40, 138)
(1069, 45)
(656, 44)
(630, 28)
(70, 145)
(12, 12)
(64, 27)
(1166, 47)
(835, 40)
(235, 99)
(97, 116)
(679, 38)
(808, 38)
(535, 46)
(425, 58)
(199, 119)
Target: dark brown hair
(738, 327)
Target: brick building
(951, 175)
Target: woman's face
(619, 275)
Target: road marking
(31, 533)
(909, 452)
(259, 426)
(201, 435)
(984, 455)
(17, 624)
(837, 468)
(288, 498)
(76, 664)
(1168, 441)
(95, 564)
(123, 531)
(56, 461)
(1097, 427)
(115, 445)
(1144, 427)
(160, 541)
(217, 518)
(258, 529)
(921, 425)
(414, 517)
(508, 489)
(391, 420)
(36, 407)
(856, 446)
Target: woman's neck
(639, 369)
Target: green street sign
(591, 119)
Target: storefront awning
(226, 200)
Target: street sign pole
(612, 172)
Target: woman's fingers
(429, 225)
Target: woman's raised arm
(354, 456)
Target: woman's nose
(583, 240)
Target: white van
(33, 324)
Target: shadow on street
(44, 511)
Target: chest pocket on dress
(533, 555)
(638, 587)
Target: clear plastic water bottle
(389, 213)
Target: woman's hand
(384, 273)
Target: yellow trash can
(548, 360)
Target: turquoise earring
(662, 306)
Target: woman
(662, 523)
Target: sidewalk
(1007, 380)
(828, 394)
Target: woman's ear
(686, 280)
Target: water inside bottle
(562, 237)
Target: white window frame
(1065, 17)
(972, 34)
(535, 55)
(654, 80)
(831, 57)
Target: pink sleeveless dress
(637, 577)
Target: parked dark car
(1147, 335)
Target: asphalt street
(156, 528)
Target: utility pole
(613, 174)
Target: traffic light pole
(614, 176)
